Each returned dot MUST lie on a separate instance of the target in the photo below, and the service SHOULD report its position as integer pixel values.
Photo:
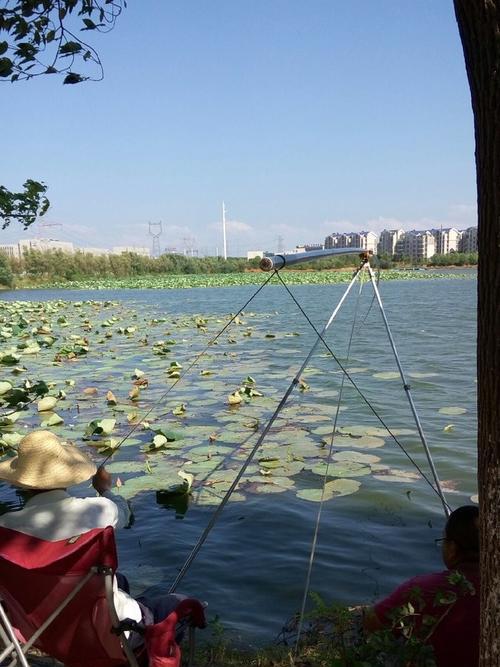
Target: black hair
(462, 528)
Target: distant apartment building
(119, 250)
(10, 249)
(468, 241)
(388, 240)
(364, 240)
(17, 250)
(255, 254)
(42, 245)
(447, 240)
(416, 244)
(310, 247)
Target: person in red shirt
(441, 608)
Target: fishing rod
(277, 262)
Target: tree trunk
(479, 25)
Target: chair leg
(8, 634)
(191, 646)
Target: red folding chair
(58, 598)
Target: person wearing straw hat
(45, 467)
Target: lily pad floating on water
(5, 387)
(234, 399)
(11, 439)
(358, 457)
(403, 476)
(341, 469)
(212, 498)
(127, 466)
(53, 420)
(100, 427)
(452, 411)
(336, 487)
(47, 403)
(387, 375)
(158, 480)
(384, 433)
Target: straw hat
(44, 461)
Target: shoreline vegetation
(58, 270)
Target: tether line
(365, 399)
(188, 369)
(325, 477)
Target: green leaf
(452, 411)
(53, 420)
(5, 387)
(9, 419)
(89, 24)
(100, 427)
(72, 77)
(6, 66)
(47, 403)
(70, 48)
(337, 487)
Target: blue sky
(305, 117)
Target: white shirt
(55, 515)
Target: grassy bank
(169, 281)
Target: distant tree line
(36, 265)
(450, 259)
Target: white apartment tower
(468, 242)
(364, 240)
(447, 240)
(416, 245)
(388, 240)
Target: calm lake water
(252, 568)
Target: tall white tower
(224, 229)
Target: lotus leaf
(53, 420)
(47, 403)
(341, 469)
(337, 487)
(366, 442)
(100, 427)
(126, 466)
(11, 439)
(209, 497)
(452, 411)
(391, 475)
(234, 399)
(5, 387)
(269, 488)
(369, 459)
(111, 398)
(206, 465)
(387, 375)
(210, 450)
